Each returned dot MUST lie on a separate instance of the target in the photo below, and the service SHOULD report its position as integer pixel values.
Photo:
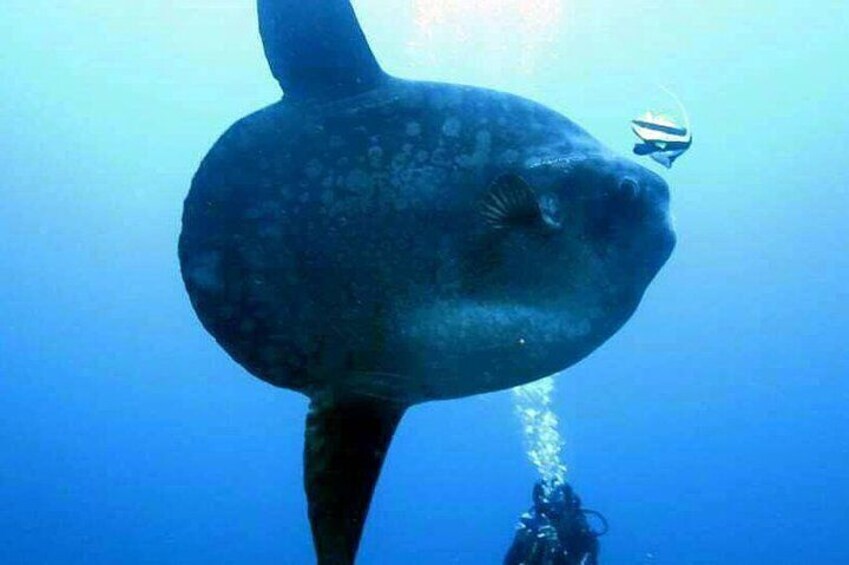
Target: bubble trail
(540, 425)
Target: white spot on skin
(205, 273)
(414, 129)
(510, 157)
(483, 142)
(375, 155)
(358, 180)
(452, 127)
(313, 169)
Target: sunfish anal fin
(346, 443)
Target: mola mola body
(375, 243)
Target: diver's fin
(511, 202)
(346, 442)
(316, 48)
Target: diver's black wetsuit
(555, 531)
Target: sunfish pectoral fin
(346, 442)
(316, 49)
(511, 202)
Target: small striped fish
(661, 138)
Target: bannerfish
(661, 138)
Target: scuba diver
(556, 530)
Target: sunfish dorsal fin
(511, 202)
(316, 48)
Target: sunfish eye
(629, 187)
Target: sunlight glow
(489, 27)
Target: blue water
(713, 429)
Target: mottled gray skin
(338, 248)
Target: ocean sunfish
(375, 243)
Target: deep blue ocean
(713, 429)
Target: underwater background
(714, 428)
